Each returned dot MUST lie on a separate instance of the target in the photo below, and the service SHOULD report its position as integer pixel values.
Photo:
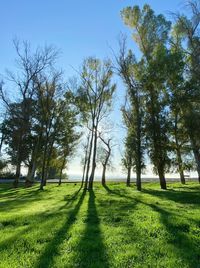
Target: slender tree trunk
(180, 166)
(84, 169)
(139, 153)
(196, 153)
(88, 161)
(159, 162)
(85, 161)
(197, 159)
(178, 150)
(60, 177)
(1, 142)
(161, 175)
(128, 180)
(43, 167)
(17, 174)
(61, 170)
(103, 179)
(138, 180)
(31, 174)
(48, 161)
(91, 179)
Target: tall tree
(133, 115)
(187, 32)
(30, 65)
(104, 155)
(96, 92)
(150, 32)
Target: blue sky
(79, 28)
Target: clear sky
(79, 28)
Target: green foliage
(149, 29)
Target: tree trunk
(161, 174)
(17, 174)
(85, 161)
(178, 150)
(43, 167)
(48, 161)
(196, 156)
(139, 153)
(180, 164)
(84, 168)
(61, 170)
(88, 162)
(91, 179)
(1, 142)
(128, 180)
(31, 173)
(138, 179)
(197, 159)
(103, 179)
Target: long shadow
(91, 250)
(16, 199)
(183, 197)
(29, 222)
(179, 196)
(122, 194)
(186, 248)
(51, 250)
(117, 192)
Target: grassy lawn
(108, 227)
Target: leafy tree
(95, 92)
(134, 142)
(30, 65)
(186, 31)
(150, 32)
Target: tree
(105, 155)
(134, 143)
(187, 32)
(30, 65)
(67, 135)
(150, 32)
(96, 92)
(85, 157)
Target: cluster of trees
(162, 106)
(41, 127)
(43, 124)
(94, 96)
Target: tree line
(43, 125)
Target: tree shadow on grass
(52, 248)
(122, 193)
(119, 192)
(185, 247)
(91, 250)
(29, 222)
(186, 244)
(16, 199)
(179, 196)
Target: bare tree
(105, 157)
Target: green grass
(113, 226)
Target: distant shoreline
(133, 180)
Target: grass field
(113, 226)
